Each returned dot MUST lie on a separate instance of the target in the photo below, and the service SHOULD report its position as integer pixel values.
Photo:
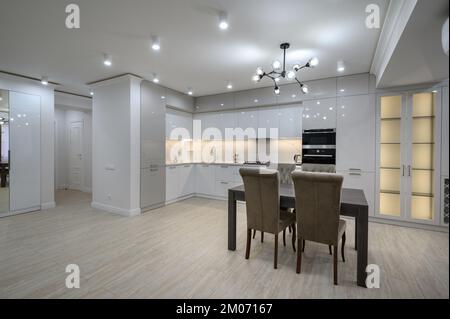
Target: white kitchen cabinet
(221, 188)
(178, 100)
(186, 182)
(217, 102)
(320, 89)
(319, 114)
(290, 121)
(247, 119)
(355, 133)
(178, 120)
(224, 172)
(204, 179)
(255, 97)
(290, 93)
(226, 120)
(361, 180)
(152, 190)
(353, 84)
(267, 119)
(210, 125)
(172, 181)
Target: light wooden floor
(180, 251)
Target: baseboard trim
(48, 205)
(179, 199)
(116, 210)
(439, 228)
(210, 196)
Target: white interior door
(76, 155)
(25, 152)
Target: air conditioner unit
(445, 37)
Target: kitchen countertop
(218, 163)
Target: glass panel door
(421, 169)
(391, 169)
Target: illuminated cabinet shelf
(407, 156)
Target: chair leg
(262, 236)
(254, 233)
(342, 246)
(304, 244)
(335, 265)
(329, 248)
(284, 237)
(290, 229)
(275, 257)
(299, 254)
(294, 234)
(249, 242)
(356, 235)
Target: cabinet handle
(403, 170)
(355, 173)
(409, 170)
(225, 183)
(205, 165)
(224, 166)
(172, 167)
(187, 165)
(355, 169)
(154, 169)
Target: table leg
(231, 221)
(356, 233)
(362, 222)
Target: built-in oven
(319, 137)
(319, 156)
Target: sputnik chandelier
(279, 71)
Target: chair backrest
(319, 168)
(317, 204)
(285, 171)
(262, 198)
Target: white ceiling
(195, 52)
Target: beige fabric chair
(318, 201)
(262, 198)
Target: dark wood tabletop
(353, 204)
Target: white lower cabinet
(361, 180)
(186, 180)
(171, 183)
(204, 179)
(225, 178)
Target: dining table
(353, 204)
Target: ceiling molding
(397, 17)
(27, 77)
(128, 76)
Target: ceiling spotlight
(340, 66)
(1, 99)
(91, 93)
(277, 90)
(190, 92)
(223, 20)
(107, 60)
(313, 62)
(44, 80)
(259, 71)
(156, 45)
(290, 75)
(229, 86)
(155, 78)
(276, 65)
(305, 88)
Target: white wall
(18, 84)
(63, 117)
(116, 145)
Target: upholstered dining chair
(317, 202)
(262, 199)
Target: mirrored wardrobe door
(4, 152)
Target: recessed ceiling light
(318, 102)
(340, 66)
(1, 99)
(229, 86)
(156, 45)
(255, 100)
(155, 78)
(434, 91)
(293, 96)
(91, 93)
(107, 60)
(342, 90)
(44, 80)
(223, 20)
(190, 92)
(162, 97)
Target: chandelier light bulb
(296, 67)
(291, 75)
(255, 78)
(277, 79)
(276, 65)
(259, 71)
(305, 89)
(277, 90)
(313, 62)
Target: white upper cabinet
(215, 102)
(247, 119)
(319, 114)
(226, 120)
(290, 93)
(290, 121)
(355, 133)
(256, 97)
(179, 100)
(178, 120)
(320, 89)
(353, 84)
(268, 118)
